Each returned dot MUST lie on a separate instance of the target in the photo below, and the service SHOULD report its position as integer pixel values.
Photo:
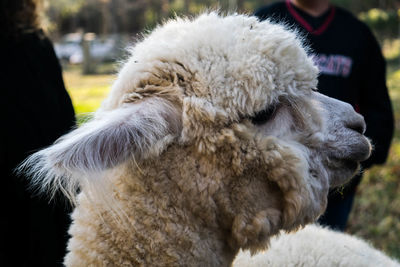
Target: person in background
(352, 69)
(36, 110)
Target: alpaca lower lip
(359, 151)
(362, 151)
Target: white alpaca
(316, 246)
(211, 140)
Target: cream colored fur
(174, 170)
(316, 246)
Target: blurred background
(90, 37)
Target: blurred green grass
(376, 212)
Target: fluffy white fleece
(316, 246)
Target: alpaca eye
(264, 115)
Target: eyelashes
(264, 115)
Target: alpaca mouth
(344, 164)
(356, 149)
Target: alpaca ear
(110, 139)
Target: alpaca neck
(178, 238)
(153, 236)
(173, 222)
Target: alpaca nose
(357, 125)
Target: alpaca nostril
(359, 127)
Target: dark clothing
(36, 111)
(352, 68)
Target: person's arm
(375, 103)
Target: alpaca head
(237, 93)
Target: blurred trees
(385, 23)
(131, 16)
(382, 16)
(98, 16)
(357, 6)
